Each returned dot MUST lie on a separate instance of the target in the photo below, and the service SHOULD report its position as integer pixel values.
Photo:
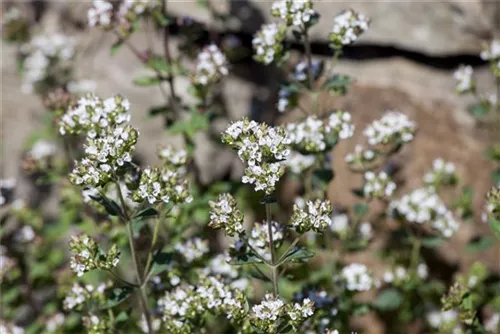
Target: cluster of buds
(314, 135)
(445, 321)
(80, 294)
(492, 54)
(43, 56)
(424, 206)
(153, 187)
(493, 202)
(172, 157)
(192, 249)
(40, 157)
(259, 238)
(442, 173)
(104, 156)
(224, 214)
(465, 82)
(378, 186)
(93, 116)
(298, 163)
(347, 27)
(98, 324)
(396, 276)
(211, 66)
(262, 148)
(296, 13)
(392, 129)
(361, 157)
(266, 316)
(357, 277)
(315, 216)
(87, 255)
(268, 43)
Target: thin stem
(292, 245)
(153, 244)
(497, 107)
(168, 57)
(307, 47)
(274, 268)
(121, 280)
(415, 252)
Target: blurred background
(404, 62)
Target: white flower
(259, 238)
(192, 249)
(100, 13)
(340, 223)
(463, 76)
(42, 149)
(315, 216)
(297, 163)
(54, 322)
(269, 309)
(393, 128)
(442, 173)
(357, 277)
(492, 52)
(378, 185)
(347, 27)
(297, 13)
(366, 230)
(211, 66)
(491, 324)
(267, 43)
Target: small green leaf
(116, 46)
(160, 18)
(388, 300)
(161, 261)
(322, 176)
(433, 242)
(111, 207)
(155, 111)
(259, 275)
(298, 254)
(480, 244)
(360, 209)
(147, 81)
(146, 213)
(338, 83)
(116, 297)
(478, 110)
(159, 64)
(495, 226)
(245, 259)
(495, 176)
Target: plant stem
(307, 47)
(415, 252)
(153, 244)
(121, 280)
(168, 58)
(497, 107)
(292, 245)
(273, 251)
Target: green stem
(151, 249)
(121, 280)
(415, 253)
(307, 47)
(274, 268)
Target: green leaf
(146, 213)
(245, 259)
(298, 254)
(495, 226)
(160, 18)
(360, 209)
(159, 64)
(322, 176)
(116, 46)
(388, 300)
(116, 297)
(259, 275)
(161, 261)
(495, 176)
(147, 81)
(189, 127)
(433, 242)
(478, 110)
(155, 111)
(268, 199)
(480, 244)
(338, 83)
(111, 207)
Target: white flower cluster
(25, 234)
(463, 76)
(314, 217)
(357, 277)
(268, 43)
(437, 319)
(10, 328)
(211, 66)
(270, 308)
(442, 173)
(393, 128)
(395, 275)
(378, 186)
(347, 27)
(298, 163)
(104, 156)
(40, 155)
(41, 54)
(10, 15)
(172, 156)
(259, 238)
(87, 256)
(225, 214)
(79, 294)
(360, 157)
(340, 223)
(285, 97)
(492, 52)
(300, 70)
(192, 249)
(297, 13)
(100, 14)
(365, 230)
(220, 267)
(314, 135)
(93, 116)
(424, 205)
(151, 187)
(262, 148)
(54, 322)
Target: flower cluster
(259, 238)
(357, 277)
(211, 66)
(220, 267)
(424, 205)
(162, 185)
(286, 99)
(55, 322)
(493, 202)
(393, 128)
(43, 55)
(226, 215)
(340, 224)
(297, 163)
(104, 156)
(442, 173)
(268, 43)
(93, 116)
(314, 135)
(80, 294)
(100, 14)
(296, 13)
(492, 54)
(264, 316)
(192, 249)
(396, 275)
(300, 70)
(315, 216)
(87, 255)
(444, 320)
(347, 27)
(378, 186)
(261, 147)
(463, 76)
(360, 157)
(39, 158)
(172, 157)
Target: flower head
(268, 43)
(314, 217)
(225, 214)
(296, 13)
(211, 66)
(465, 82)
(378, 185)
(87, 255)
(393, 128)
(347, 27)
(442, 173)
(357, 277)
